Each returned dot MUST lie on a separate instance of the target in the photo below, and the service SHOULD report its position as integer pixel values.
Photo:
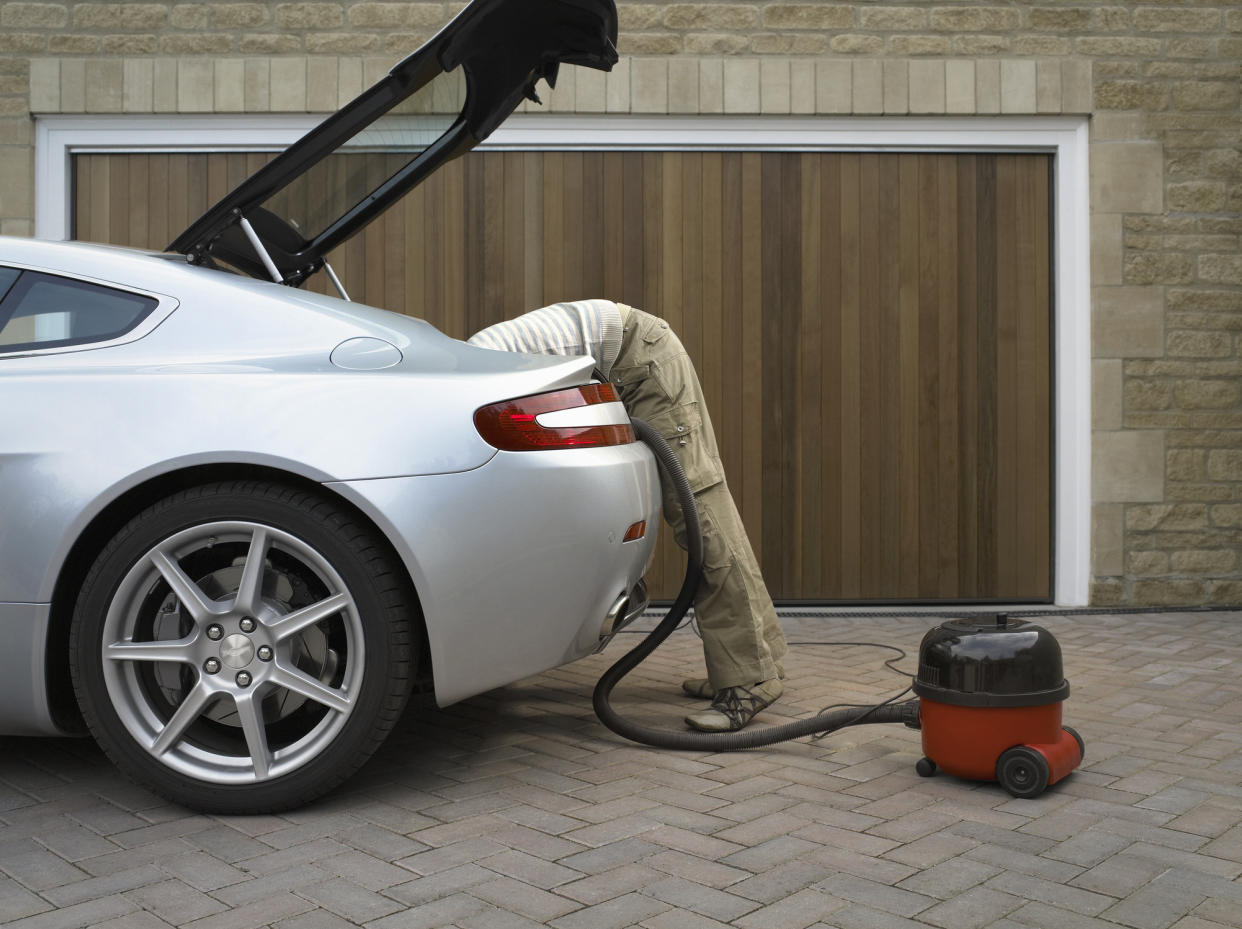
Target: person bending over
(742, 638)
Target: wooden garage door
(872, 330)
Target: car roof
(433, 106)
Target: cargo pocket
(682, 428)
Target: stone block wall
(1160, 81)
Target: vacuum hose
(713, 741)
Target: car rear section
(536, 557)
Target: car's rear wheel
(242, 646)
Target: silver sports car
(240, 522)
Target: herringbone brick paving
(517, 808)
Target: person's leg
(741, 634)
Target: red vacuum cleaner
(990, 693)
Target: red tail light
(515, 426)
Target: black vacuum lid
(990, 661)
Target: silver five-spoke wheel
(237, 652)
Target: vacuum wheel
(1082, 748)
(1023, 772)
(925, 767)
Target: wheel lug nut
(243, 679)
(247, 625)
(264, 653)
(211, 666)
(215, 633)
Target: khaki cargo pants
(742, 638)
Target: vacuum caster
(925, 767)
(1023, 772)
(1082, 748)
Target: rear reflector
(635, 531)
(522, 424)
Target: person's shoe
(734, 707)
(702, 688)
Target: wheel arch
(108, 521)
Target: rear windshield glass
(45, 311)
(332, 187)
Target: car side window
(47, 311)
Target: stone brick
(1203, 345)
(73, 44)
(22, 42)
(1205, 95)
(856, 44)
(261, 43)
(1228, 515)
(896, 87)
(1128, 322)
(1147, 564)
(1196, 196)
(808, 16)
(129, 44)
(204, 43)
(1186, 464)
(188, 16)
(638, 16)
(1127, 177)
(1143, 394)
(1149, 268)
(980, 45)
(1221, 269)
(792, 44)
(112, 16)
(1225, 465)
(959, 87)
(1187, 47)
(716, 44)
(344, 43)
(1157, 19)
(34, 15)
(912, 45)
(714, 16)
(1018, 87)
(240, 15)
(1055, 19)
(1170, 592)
(1128, 467)
(1203, 562)
(892, 19)
(1166, 517)
(975, 19)
(1042, 46)
(1118, 47)
(387, 15)
(1131, 95)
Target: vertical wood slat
(872, 331)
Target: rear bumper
(518, 563)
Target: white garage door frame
(58, 138)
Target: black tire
(188, 680)
(1023, 772)
(925, 767)
(1082, 747)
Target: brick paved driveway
(518, 809)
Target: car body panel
(521, 579)
(24, 704)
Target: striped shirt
(585, 327)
